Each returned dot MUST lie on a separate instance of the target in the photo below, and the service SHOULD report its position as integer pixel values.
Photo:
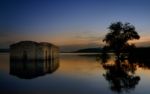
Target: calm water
(74, 74)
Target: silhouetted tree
(119, 35)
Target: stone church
(30, 50)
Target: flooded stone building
(30, 50)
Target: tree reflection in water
(120, 74)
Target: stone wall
(30, 50)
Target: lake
(75, 74)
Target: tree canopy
(119, 34)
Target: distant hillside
(139, 50)
(89, 50)
(4, 50)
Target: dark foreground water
(74, 74)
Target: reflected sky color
(71, 24)
(76, 74)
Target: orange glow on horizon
(143, 41)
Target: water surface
(75, 74)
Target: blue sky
(69, 23)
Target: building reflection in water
(32, 69)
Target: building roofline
(33, 42)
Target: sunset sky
(70, 24)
